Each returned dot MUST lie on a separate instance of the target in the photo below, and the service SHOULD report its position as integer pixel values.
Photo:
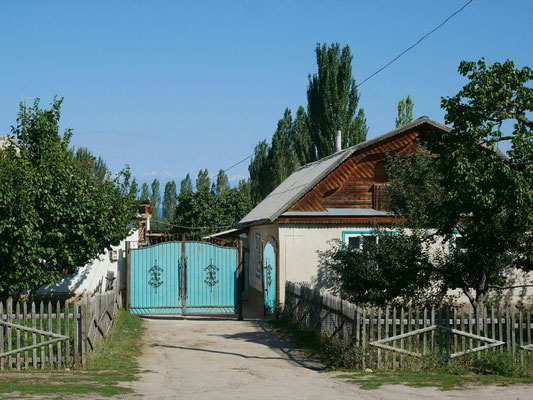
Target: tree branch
(508, 287)
(498, 140)
(526, 122)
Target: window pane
(459, 243)
(370, 239)
(354, 241)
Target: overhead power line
(388, 64)
(415, 44)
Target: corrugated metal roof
(305, 178)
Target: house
(337, 197)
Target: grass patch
(432, 370)
(106, 369)
(443, 381)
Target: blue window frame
(358, 239)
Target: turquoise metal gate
(183, 278)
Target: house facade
(337, 197)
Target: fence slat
(18, 319)
(2, 359)
(424, 335)
(394, 334)
(33, 335)
(470, 326)
(513, 333)
(9, 345)
(67, 333)
(402, 316)
(76, 335)
(387, 321)
(42, 327)
(58, 329)
(363, 337)
(521, 333)
(379, 337)
(25, 318)
(50, 328)
(493, 325)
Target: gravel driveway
(215, 358)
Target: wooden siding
(351, 185)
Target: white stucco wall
(91, 277)
(299, 247)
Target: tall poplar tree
(332, 101)
(186, 185)
(203, 183)
(260, 173)
(169, 201)
(155, 201)
(405, 111)
(145, 192)
(221, 188)
(300, 138)
(281, 158)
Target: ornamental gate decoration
(183, 278)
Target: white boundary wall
(91, 277)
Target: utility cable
(415, 44)
(388, 64)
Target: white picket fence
(391, 337)
(54, 335)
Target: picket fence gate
(59, 335)
(393, 337)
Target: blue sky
(170, 87)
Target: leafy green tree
(56, 213)
(145, 192)
(155, 203)
(222, 187)
(169, 201)
(244, 187)
(405, 111)
(332, 101)
(461, 188)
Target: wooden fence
(394, 337)
(56, 335)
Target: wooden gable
(355, 183)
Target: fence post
(83, 336)
(2, 335)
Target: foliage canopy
(58, 209)
(464, 210)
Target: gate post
(183, 286)
(127, 299)
(240, 279)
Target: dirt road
(200, 358)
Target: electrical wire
(415, 44)
(388, 64)
(361, 83)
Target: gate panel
(211, 278)
(269, 277)
(155, 276)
